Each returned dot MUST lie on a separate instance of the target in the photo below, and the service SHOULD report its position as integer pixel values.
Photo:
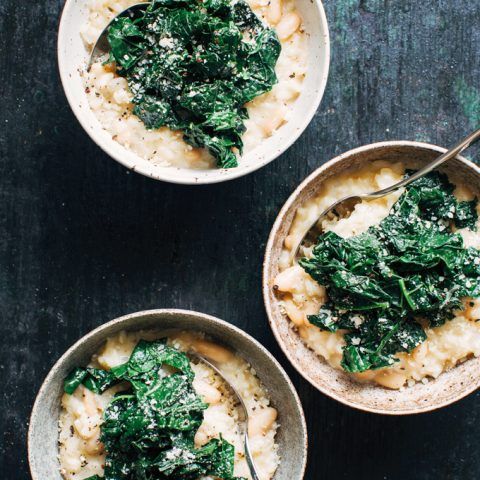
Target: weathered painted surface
(84, 241)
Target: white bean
(201, 438)
(89, 402)
(420, 352)
(96, 69)
(121, 96)
(103, 81)
(296, 315)
(93, 446)
(365, 376)
(261, 421)
(212, 350)
(87, 425)
(272, 122)
(71, 463)
(290, 278)
(288, 25)
(209, 393)
(193, 155)
(274, 11)
(393, 380)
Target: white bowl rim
(167, 311)
(223, 175)
(266, 289)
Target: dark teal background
(82, 240)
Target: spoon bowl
(102, 47)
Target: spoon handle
(246, 442)
(249, 456)
(452, 152)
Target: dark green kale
(149, 427)
(409, 270)
(94, 379)
(192, 66)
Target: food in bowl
(390, 293)
(143, 407)
(195, 84)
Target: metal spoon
(102, 47)
(248, 452)
(346, 204)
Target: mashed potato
(81, 454)
(301, 296)
(109, 96)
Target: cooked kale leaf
(193, 65)
(149, 427)
(408, 271)
(94, 379)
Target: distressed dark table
(83, 240)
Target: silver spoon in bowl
(346, 204)
(102, 47)
(246, 443)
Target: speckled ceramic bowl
(72, 58)
(448, 387)
(291, 436)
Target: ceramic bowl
(291, 436)
(449, 386)
(72, 58)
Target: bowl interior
(72, 57)
(448, 387)
(291, 436)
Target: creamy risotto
(301, 296)
(109, 96)
(81, 454)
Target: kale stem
(387, 337)
(405, 293)
(120, 397)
